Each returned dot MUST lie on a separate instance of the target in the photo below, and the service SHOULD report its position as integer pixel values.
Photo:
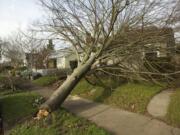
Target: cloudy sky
(15, 14)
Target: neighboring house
(60, 62)
(62, 59)
(48, 61)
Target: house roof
(147, 35)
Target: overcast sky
(16, 14)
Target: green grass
(133, 96)
(82, 87)
(173, 115)
(17, 106)
(9, 92)
(61, 122)
(45, 80)
(129, 96)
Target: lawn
(60, 123)
(173, 115)
(45, 80)
(133, 96)
(17, 106)
(22, 106)
(129, 96)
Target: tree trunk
(58, 97)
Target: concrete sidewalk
(158, 106)
(117, 121)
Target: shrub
(4, 68)
(26, 74)
(5, 82)
(38, 101)
(36, 76)
(12, 82)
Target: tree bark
(58, 97)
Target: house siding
(61, 63)
(68, 59)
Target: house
(62, 59)
(142, 46)
(163, 45)
(156, 42)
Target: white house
(62, 59)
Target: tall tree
(50, 45)
(31, 44)
(13, 52)
(91, 27)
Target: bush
(26, 74)
(45, 80)
(38, 102)
(5, 83)
(4, 68)
(12, 82)
(36, 76)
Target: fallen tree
(91, 27)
